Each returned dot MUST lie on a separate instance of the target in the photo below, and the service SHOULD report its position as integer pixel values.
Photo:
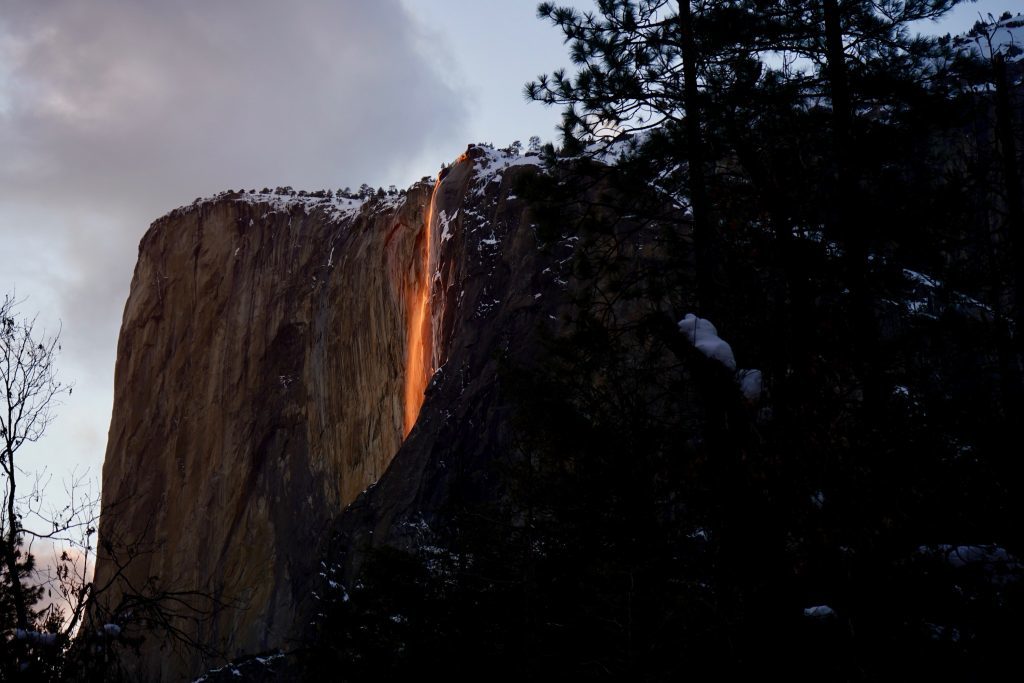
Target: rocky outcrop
(263, 376)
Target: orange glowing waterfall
(418, 347)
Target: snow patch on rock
(702, 333)
(704, 337)
(819, 612)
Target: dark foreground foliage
(857, 520)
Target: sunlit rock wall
(258, 386)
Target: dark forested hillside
(833, 493)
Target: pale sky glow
(113, 112)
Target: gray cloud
(114, 111)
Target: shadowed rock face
(261, 374)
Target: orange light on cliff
(418, 343)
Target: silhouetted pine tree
(658, 524)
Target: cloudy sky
(113, 112)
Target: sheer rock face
(258, 390)
(260, 378)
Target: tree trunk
(839, 90)
(1014, 199)
(11, 545)
(846, 226)
(695, 154)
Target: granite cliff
(273, 355)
